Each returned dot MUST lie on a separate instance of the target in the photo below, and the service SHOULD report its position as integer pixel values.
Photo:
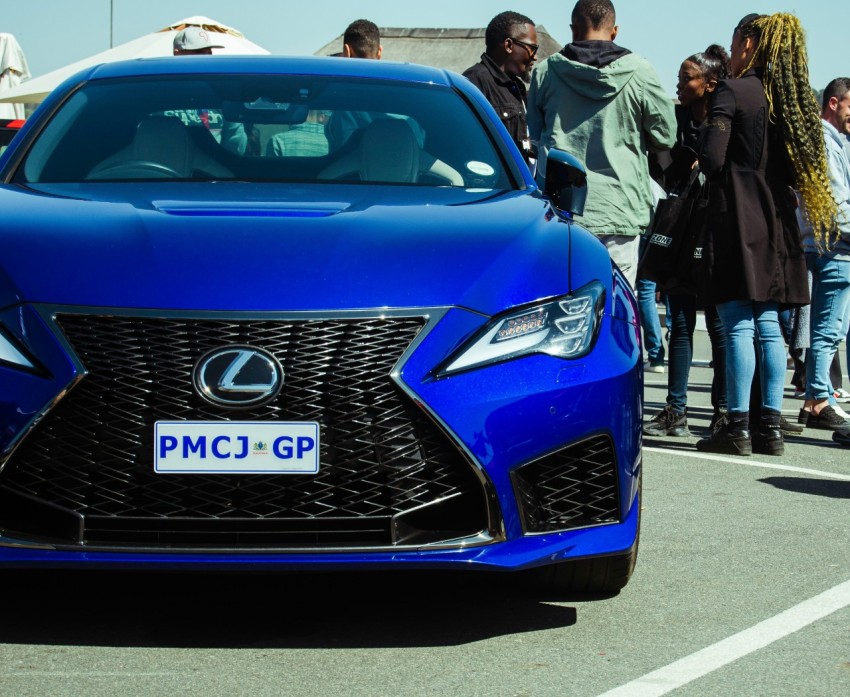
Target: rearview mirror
(265, 111)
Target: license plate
(236, 447)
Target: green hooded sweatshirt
(608, 118)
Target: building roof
(452, 49)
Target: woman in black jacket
(699, 75)
(762, 140)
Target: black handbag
(689, 274)
(674, 239)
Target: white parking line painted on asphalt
(709, 659)
(750, 463)
(83, 673)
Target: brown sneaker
(788, 428)
(667, 423)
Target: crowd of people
(774, 167)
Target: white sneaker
(842, 395)
(650, 367)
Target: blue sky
(54, 33)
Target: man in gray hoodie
(606, 106)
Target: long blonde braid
(781, 49)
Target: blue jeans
(649, 321)
(746, 321)
(683, 315)
(829, 321)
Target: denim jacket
(838, 162)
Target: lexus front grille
(388, 475)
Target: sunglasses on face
(531, 48)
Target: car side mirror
(566, 182)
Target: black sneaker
(728, 441)
(828, 419)
(667, 423)
(788, 428)
(842, 436)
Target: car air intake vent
(85, 473)
(571, 488)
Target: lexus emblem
(238, 376)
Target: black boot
(719, 419)
(732, 438)
(767, 438)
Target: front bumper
(510, 555)
(488, 425)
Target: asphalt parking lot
(742, 588)
(774, 537)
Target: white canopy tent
(158, 43)
(13, 70)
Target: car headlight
(10, 354)
(565, 327)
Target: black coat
(684, 151)
(507, 95)
(753, 249)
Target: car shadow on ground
(683, 443)
(238, 610)
(829, 488)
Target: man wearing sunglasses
(511, 42)
(605, 105)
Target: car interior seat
(164, 140)
(160, 141)
(389, 152)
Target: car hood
(230, 246)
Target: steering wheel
(131, 169)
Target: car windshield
(266, 128)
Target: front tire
(597, 575)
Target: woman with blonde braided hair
(762, 140)
(792, 103)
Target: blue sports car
(307, 313)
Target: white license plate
(236, 447)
